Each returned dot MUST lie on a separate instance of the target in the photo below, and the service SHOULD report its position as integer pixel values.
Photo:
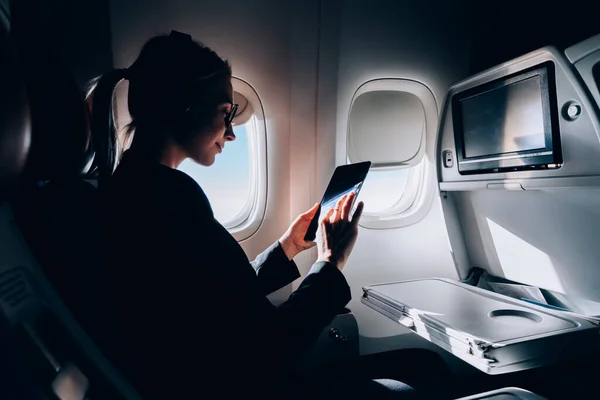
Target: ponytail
(104, 138)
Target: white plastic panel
(546, 238)
(586, 57)
(492, 332)
(579, 137)
(485, 317)
(583, 49)
(386, 127)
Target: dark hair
(168, 76)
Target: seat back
(15, 132)
(14, 145)
(39, 226)
(59, 208)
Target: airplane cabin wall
(427, 42)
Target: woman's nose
(229, 135)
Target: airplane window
(390, 191)
(228, 182)
(382, 189)
(404, 113)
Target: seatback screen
(508, 124)
(504, 120)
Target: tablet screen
(345, 179)
(330, 203)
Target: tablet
(345, 179)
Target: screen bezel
(356, 174)
(517, 160)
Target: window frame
(250, 218)
(248, 206)
(421, 180)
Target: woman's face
(209, 142)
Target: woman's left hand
(292, 240)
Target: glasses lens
(231, 115)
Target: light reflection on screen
(504, 120)
(331, 202)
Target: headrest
(14, 116)
(60, 135)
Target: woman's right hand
(337, 235)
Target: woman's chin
(209, 160)
(205, 161)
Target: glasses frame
(229, 116)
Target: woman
(190, 310)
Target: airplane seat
(24, 359)
(14, 146)
(44, 352)
(14, 120)
(58, 210)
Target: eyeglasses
(229, 116)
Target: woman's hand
(292, 240)
(337, 234)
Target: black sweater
(189, 308)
